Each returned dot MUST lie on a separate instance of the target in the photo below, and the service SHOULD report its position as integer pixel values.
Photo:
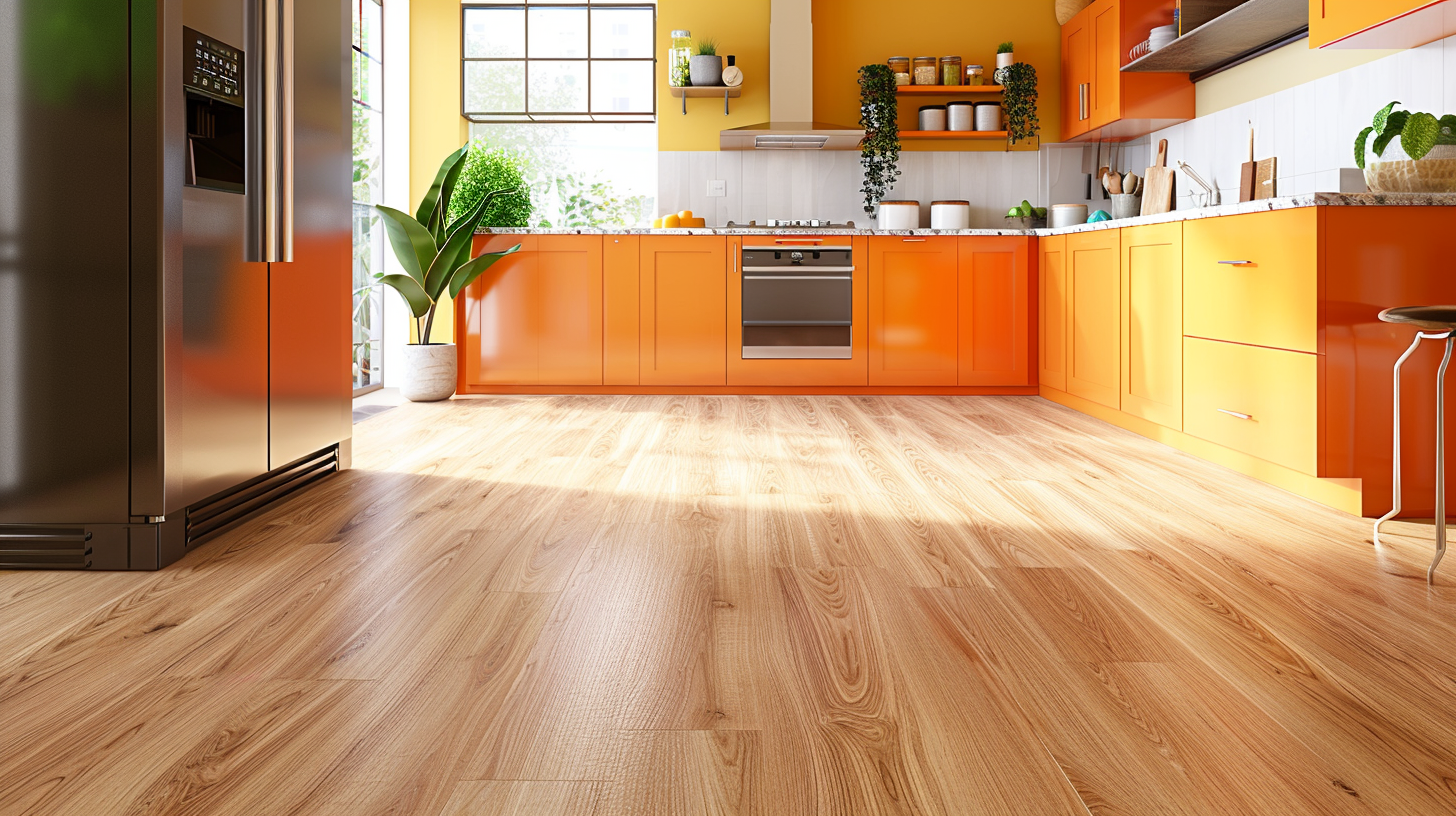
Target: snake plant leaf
(1393, 126)
(1360, 147)
(466, 275)
(431, 206)
(413, 294)
(1381, 115)
(1419, 135)
(462, 233)
(1448, 130)
(412, 243)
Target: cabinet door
(684, 336)
(499, 316)
(1152, 323)
(1386, 23)
(913, 333)
(1094, 306)
(1076, 73)
(995, 310)
(568, 305)
(1105, 62)
(1052, 313)
(621, 301)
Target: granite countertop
(1282, 203)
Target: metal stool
(1432, 323)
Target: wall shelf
(1246, 27)
(953, 134)
(722, 92)
(946, 90)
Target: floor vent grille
(44, 548)
(212, 516)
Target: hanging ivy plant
(879, 113)
(1018, 98)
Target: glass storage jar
(950, 70)
(975, 75)
(926, 70)
(900, 67)
(679, 74)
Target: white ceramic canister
(899, 215)
(960, 116)
(1067, 215)
(950, 215)
(932, 117)
(988, 116)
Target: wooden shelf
(946, 90)
(953, 134)
(714, 91)
(1244, 28)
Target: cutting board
(1158, 184)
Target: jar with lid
(975, 75)
(950, 70)
(932, 117)
(926, 70)
(960, 116)
(679, 74)
(900, 67)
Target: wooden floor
(756, 605)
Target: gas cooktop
(776, 223)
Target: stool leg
(1440, 462)
(1395, 477)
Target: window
(528, 61)
(368, 111)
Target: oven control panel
(212, 68)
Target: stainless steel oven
(798, 302)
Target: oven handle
(798, 277)
(825, 247)
(798, 323)
(845, 269)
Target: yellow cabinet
(1253, 278)
(1152, 323)
(1093, 314)
(1379, 23)
(1261, 401)
(1052, 312)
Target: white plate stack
(1161, 36)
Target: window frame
(590, 115)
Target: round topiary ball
(486, 170)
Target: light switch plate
(717, 188)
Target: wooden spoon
(1114, 183)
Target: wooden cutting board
(1158, 184)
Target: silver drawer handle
(914, 240)
(1235, 414)
(1236, 263)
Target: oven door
(797, 314)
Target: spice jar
(900, 67)
(926, 70)
(950, 70)
(975, 75)
(678, 56)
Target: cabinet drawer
(1260, 401)
(1270, 297)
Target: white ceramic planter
(1003, 61)
(429, 372)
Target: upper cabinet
(1099, 100)
(1379, 23)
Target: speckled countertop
(1282, 203)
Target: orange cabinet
(995, 310)
(1052, 312)
(1152, 323)
(1093, 313)
(1260, 401)
(913, 311)
(683, 310)
(1099, 101)
(621, 300)
(1379, 23)
(535, 317)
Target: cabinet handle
(1236, 263)
(914, 240)
(1234, 414)
(1082, 91)
(798, 240)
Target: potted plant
(1005, 56)
(1018, 102)
(1423, 162)
(879, 151)
(706, 67)
(435, 254)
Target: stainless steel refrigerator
(175, 254)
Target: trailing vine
(879, 116)
(1018, 98)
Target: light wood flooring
(747, 605)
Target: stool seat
(1430, 318)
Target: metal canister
(988, 116)
(932, 117)
(960, 116)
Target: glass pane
(621, 33)
(370, 28)
(495, 32)
(558, 87)
(495, 87)
(354, 7)
(557, 32)
(622, 87)
(367, 296)
(368, 155)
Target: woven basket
(1067, 9)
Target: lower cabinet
(995, 310)
(913, 311)
(1094, 310)
(1261, 401)
(1152, 323)
(1052, 312)
(683, 310)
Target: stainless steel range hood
(791, 91)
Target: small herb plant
(1004, 48)
(1418, 132)
(707, 47)
(879, 116)
(1018, 100)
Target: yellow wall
(851, 33)
(741, 29)
(1294, 64)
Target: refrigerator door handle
(268, 63)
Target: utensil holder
(1126, 206)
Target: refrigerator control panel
(212, 68)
